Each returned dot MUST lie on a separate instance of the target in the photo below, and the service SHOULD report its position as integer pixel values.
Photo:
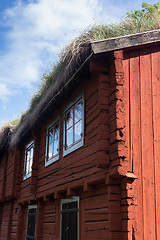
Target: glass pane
(70, 136)
(73, 205)
(69, 228)
(56, 146)
(69, 118)
(50, 136)
(56, 132)
(78, 112)
(27, 156)
(64, 206)
(31, 223)
(30, 165)
(31, 153)
(73, 225)
(27, 168)
(32, 211)
(29, 159)
(50, 150)
(64, 227)
(27, 162)
(78, 131)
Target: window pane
(32, 211)
(56, 132)
(30, 165)
(69, 228)
(27, 155)
(70, 136)
(53, 141)
(31, 153)
(64, 206)
(51, 136)
(72, 231)
(69, 118)
(65, 228)
(56, 146)
(31, 225)
(78, 131)
(78, 112)
(28, 159)
(73, 205)
(27, 167)
(50, 150)
(27, 162)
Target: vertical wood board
(147, 145)
(155, 58)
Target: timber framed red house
(85, 163)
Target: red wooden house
(85, 163)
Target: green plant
(147, 16)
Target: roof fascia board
(126, 41)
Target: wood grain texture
(121, 140)
(142, 72)
(147, 145)
(126, 41)
(155, 60)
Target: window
(74, 126)
(28, 160)
(52, 146)
(70, 219)
(31, 223)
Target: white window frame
(56, 157)
(31, 207)
(26, 176)
(80, 143)
(67, 200)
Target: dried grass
(74, 52)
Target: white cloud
(36, 30)
(4, 92)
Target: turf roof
(72, 57)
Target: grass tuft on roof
(12, 124)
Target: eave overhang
(127, 41)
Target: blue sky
(32, 32)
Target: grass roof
(148, 18)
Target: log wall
(121, 143)
(83, 173)
(5, 221)
(88, 162)
(75, 174)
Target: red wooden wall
(5, 221)
(71, 175)
(142, 86)
(122, 135)
(71, 170)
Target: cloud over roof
(34, 33)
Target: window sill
(52, 160)
(73, 148)
(26, 176)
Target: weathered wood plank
(126, 41)
(135, 138)
(155, 58)
(147, 146)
